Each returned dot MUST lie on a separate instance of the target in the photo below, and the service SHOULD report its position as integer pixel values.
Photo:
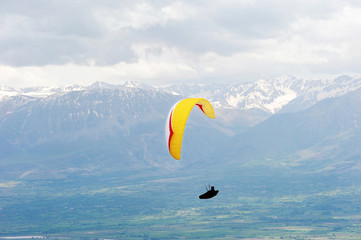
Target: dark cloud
(47, 32)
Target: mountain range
(102, 128)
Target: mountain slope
(97, 130)
(328, 130)
(105, 128)
(84, 126)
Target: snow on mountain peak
(70, 88)
(131, 84)
(99, 84)
(268, 95)
(7, 92)
(134, 84)
(285, 93)
(37, 92)
(271, 95)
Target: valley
(259, 206)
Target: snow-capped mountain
(84, 130)
(80, 111)
(285, 93)
(37, 92)
(8, 92)
(325, 137)
(104, 127)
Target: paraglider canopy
(177, 119)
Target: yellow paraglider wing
(177, 119)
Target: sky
(56, 43)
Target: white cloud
(335, 39)
(154, 63)
(160, 42)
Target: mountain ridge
(106, 128)
(282, 94)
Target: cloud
(153, 65)
(335, 39)
(141, 15)
(159, 42)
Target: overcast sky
(62, 42)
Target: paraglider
(175, 125)
(209, 194)
(177, 119)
